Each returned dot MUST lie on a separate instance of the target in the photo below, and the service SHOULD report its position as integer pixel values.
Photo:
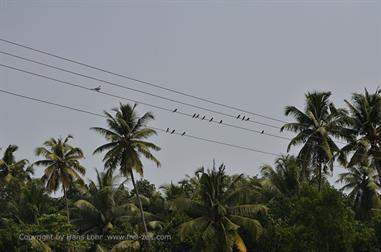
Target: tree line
(290, 206)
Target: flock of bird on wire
(195, 116)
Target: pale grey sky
(256, 55)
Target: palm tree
(286, 177)
(10, 168)
(98, 213)
(14, 174)
(62, 165)
(315, 127)
(125, 135)
(362, 183)
(365, 122)
(220, 220)
(31, 204)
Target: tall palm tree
(220, 220)
(62, 165)
(365, 122)
(286, 176)
(362, 183)
(125, 135)
(316, 126)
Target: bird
(197, 115)
(203, 118)
(183, 133)
(211, 119)
(167, 130)
(173, 131)
(175, 110)
(220, 121)
(238, 116)
(243, 118)
(262, 131)
(247, 119)
(194, 115)
(97, 88)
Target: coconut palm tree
(10, 168)
(365, 122)
(286, 176)
(316, 126)
(361, 181)
(62, 165)
(97, 212)
(219, 219)
(126, 144)
(31, 204)
(14, 174)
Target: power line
(165, 98)
(144, 82)
(147, 104)
(147, 93)
(143, 103)
(133, 89)
(155, 128)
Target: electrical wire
(155, 128)
(140, 102)
(143, 82)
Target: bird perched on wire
(262, 131)
(183, 133)
(173, 131)
(243, 118)
(167, 130)
(175, 110)
(194, 115)
(97, 88)
(238, 116)
(203, 118)
(197, 115)
(247, 119)
(211, 119)
(220, 121)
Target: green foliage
(317, 222)
(220, 220)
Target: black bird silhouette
(175, 110)
(197, 115)
(247, 119)
(220, 121)
(238, 116)
(194, 115)
(203, 118)
(183, 133)
(211, 119)
(262, 131)
(243, 118)
(167, 129)
(97, 88)
(173, 131)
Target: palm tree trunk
(139, 203)
(67, 205)
(319, 176)
(378, 168)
